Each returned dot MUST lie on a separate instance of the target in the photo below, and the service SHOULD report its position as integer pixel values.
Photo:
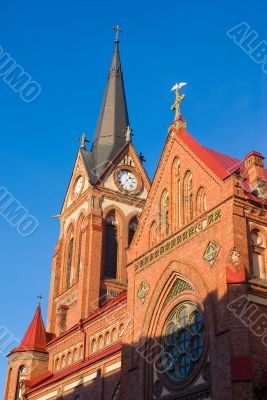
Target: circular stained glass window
(183, 341)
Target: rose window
(183, 341)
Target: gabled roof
(35, 338)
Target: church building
(158, 289)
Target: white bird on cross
(178, 86)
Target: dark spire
(111, 131)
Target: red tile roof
(35, 337)
(222, 164)
(229, 163)
(202, 153)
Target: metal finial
(118, 31)
(40, 298)
(142, 158)
(83, 140)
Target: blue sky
(67, 47)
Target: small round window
(183, 341)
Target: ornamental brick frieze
(28, 356)
(64, 343)
(90, 328)
(68, 297)
(104, 324)
(108, 316)
(256, 213)
(177, 240)
(119, 197)
(67, 349)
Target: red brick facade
(185, 315)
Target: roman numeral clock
(127, 179)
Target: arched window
(114, 335)
(201, 201)
(111, 247)
(132, 229)
(153, 234)
(188, 198)
(57, 364)
(107, 338)
(20, 381)
(100, 343)
(258, 249)
(63, 362)
(164, 213)
(69, 358)
(75, 355)
(69, 258)
(79, 245)
(176, 193)
(93, 346)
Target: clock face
(127, 180)
(78, 186)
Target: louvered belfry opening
(111, 247)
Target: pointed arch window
(201, 201)
(153, 234)
(111, 247)
(79, 250)
(188, 198)
(132, 229)
(176, 193)
(69, 259)
(164, 213)
(20, 381)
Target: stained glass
(183, 341)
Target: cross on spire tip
(118, 30)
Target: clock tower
(105, 197)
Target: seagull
(178, 86)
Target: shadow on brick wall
(209, 354)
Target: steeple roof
(35, 336)
(113, 118)
(113, 122)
